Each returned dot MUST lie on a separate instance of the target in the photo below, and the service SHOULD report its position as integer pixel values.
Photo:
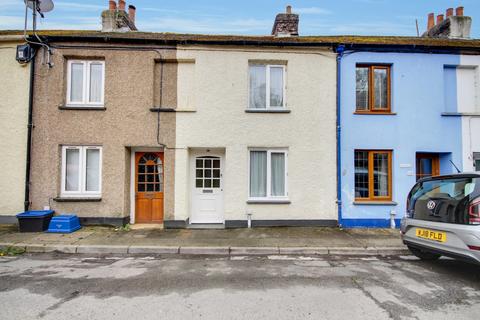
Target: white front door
(207, 194)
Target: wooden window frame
(86, 84)
(371, 196)
(371, 89)
(269, 195)
(82, 172)
(268, 67)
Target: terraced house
(409, 109)
(185, 129)
(192, 131)
(14, 117)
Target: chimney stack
(459, 11)
(116, 19)
(452, 27)
(131, 13)
(286, 24)
(112, 5)
(439, 18)
(431, 21)
(121, 5)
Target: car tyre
(424, 255)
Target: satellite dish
(42, 5)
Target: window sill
(82, 107)
(460, 114)
(79, 199)
(375, 203)
(267, 110)
(269, 201)
(382, 113)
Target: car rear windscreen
(443, 200)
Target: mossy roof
(177, 38)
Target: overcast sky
(321, 17)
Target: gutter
(340, 51)
(29, 135)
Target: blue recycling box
(64, 224)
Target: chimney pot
(449, 12)
(439, 18)
(459, 11)
(131, 13)
(121, 5)
(431, 21)
(112, 5)
(289, 9)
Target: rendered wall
(220, 98)
(471, 123)
(418, 101)
(14, 84)
(126, 122)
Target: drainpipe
(340, 50)
(29, 135)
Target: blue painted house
(392, 130)
(399, 120)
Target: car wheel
(424, 255)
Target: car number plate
(431, 235)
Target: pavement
(62, 286)
(256, 241)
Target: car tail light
(474, 248)
(474, 212)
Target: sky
(250, 17)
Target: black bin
(34, 221)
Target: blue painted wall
(418, 99)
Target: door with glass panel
(149, 187)
(207, 194)
(428, 165)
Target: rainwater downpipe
(339, 50)
(29, 135)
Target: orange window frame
(371, 196)
(371, 89)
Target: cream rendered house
(14, 84)
(258, 140)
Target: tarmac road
(60, 286)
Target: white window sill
(269, 201)
(272, 110)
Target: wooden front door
(149, 187)
(428, 165)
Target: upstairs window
(373, 89)
(85, 83)
(267, 86)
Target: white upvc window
(268, 174)
(85, 83)
(81, 171)
(267, 86)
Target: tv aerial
(25, 53)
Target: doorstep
(147, 226)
